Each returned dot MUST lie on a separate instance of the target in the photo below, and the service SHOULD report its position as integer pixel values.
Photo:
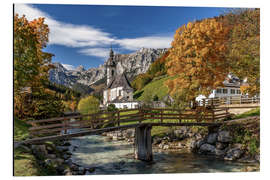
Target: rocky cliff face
(133, 64)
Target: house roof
(232, 81)
(120, 81)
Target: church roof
(120, 81)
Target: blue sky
(82, 34)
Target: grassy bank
(25, 163)
(253, 112)
(155, 87)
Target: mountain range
(132, 64)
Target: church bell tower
(110, 67)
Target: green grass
(24, 162)
(20, 130)
(253, 112)
(155, 87)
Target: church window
(112, 72)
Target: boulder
(221, 146)
(224, 136)
(156, 141)
(207, 149)
(62, 148)
(81, 170)
(130, 133)
(67, 172)
(39, 151)
(192, 144)
(211, 138)
(199, 143)
(219, 152)
(233, 154)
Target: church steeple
(111, 53)
(110, 67)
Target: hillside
(155, 87)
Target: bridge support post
(143, 144)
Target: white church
(118, 91)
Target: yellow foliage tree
(88, 105)
(244, 54)
(197, 57)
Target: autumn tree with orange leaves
(244, 45)
(31, 66)
(197, 57)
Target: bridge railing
(103, 119)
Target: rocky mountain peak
(133, 64)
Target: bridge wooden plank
(78, 134)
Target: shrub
(88, 105)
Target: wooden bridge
(142, 119)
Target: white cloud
(66, 34)
(146, 42)
(69, 67)
(99, 52)
(91, 40)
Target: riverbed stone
(220, 145)
(67, 172)
(51, 156)
(39, 151)
(233, 154)
(62, 148)
(156, 141)
(257, 157)
(199, 143)
(224, 136)
(219, 152)
(207, 149)
(211, 138)
(191, 144)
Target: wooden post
(141, 115)
(227, 114)
(118, 118)
(143, 144)
(65, 126)
(213, 115)
(161, 118)
(179, 116)
(212, 103)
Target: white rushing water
(116, 157)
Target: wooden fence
(103, 119)
(228, 101)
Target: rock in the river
(219, 152)
(211, 138)
(156, 141)
(62, 148)
(224, 136)
(207, 149)
(220, 145)
(199, 143)
(67, 172)
(233, 154)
